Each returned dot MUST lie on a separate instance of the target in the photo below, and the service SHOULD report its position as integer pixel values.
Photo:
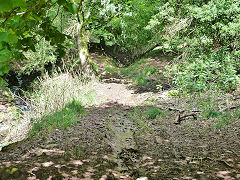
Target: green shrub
(133, 69)
(36, 60)
(153, 112)
(138, 73)
(110, 70)
(222, 122)
(217, 70)
(237, 113)
(128, 71)
(141, 77)
(211, 113)
(222, 118)
(57, 100)
(141, 80)
(149, 71)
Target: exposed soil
(117, 140)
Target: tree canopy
(22, 22)
(205, 33)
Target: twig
(179, 118)
(175, 109)
(230, 108)
(219, 160)
(56, 14)
(224, 162)
(236, 98)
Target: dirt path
(126, 134)
(118, 140)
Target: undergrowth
(214, 71)
(61, 119)
(138, 72)
(153, 112)
(111, 70)
(58, 100)
(212, 107)
(142, 117)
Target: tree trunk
(126, 58)
(145, 50)
(86, 65)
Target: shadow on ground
(122, 142)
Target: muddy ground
(118, 138)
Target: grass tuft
(222, 122)
(153, 112)
(62, 119)
(111, 70)
(57, 101)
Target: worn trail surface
(116, 140)
(120, 137)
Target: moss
(13, 173)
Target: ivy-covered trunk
(86, 65)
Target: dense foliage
(23, 24)
(209, 46)
(202, 35)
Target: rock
(146, 158)
(2, 108)
(142, 178)
(50, 146)
(38, 152)
(159, 140)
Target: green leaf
(75, 8)
(5, 5)
(13, 39)
(9, 4)
(4, 68)
(72, 8)
(1, 84)
(3, 36)
(9, 37)
(4, 59)
(61, 2)
(5, 52)
(19, 3)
